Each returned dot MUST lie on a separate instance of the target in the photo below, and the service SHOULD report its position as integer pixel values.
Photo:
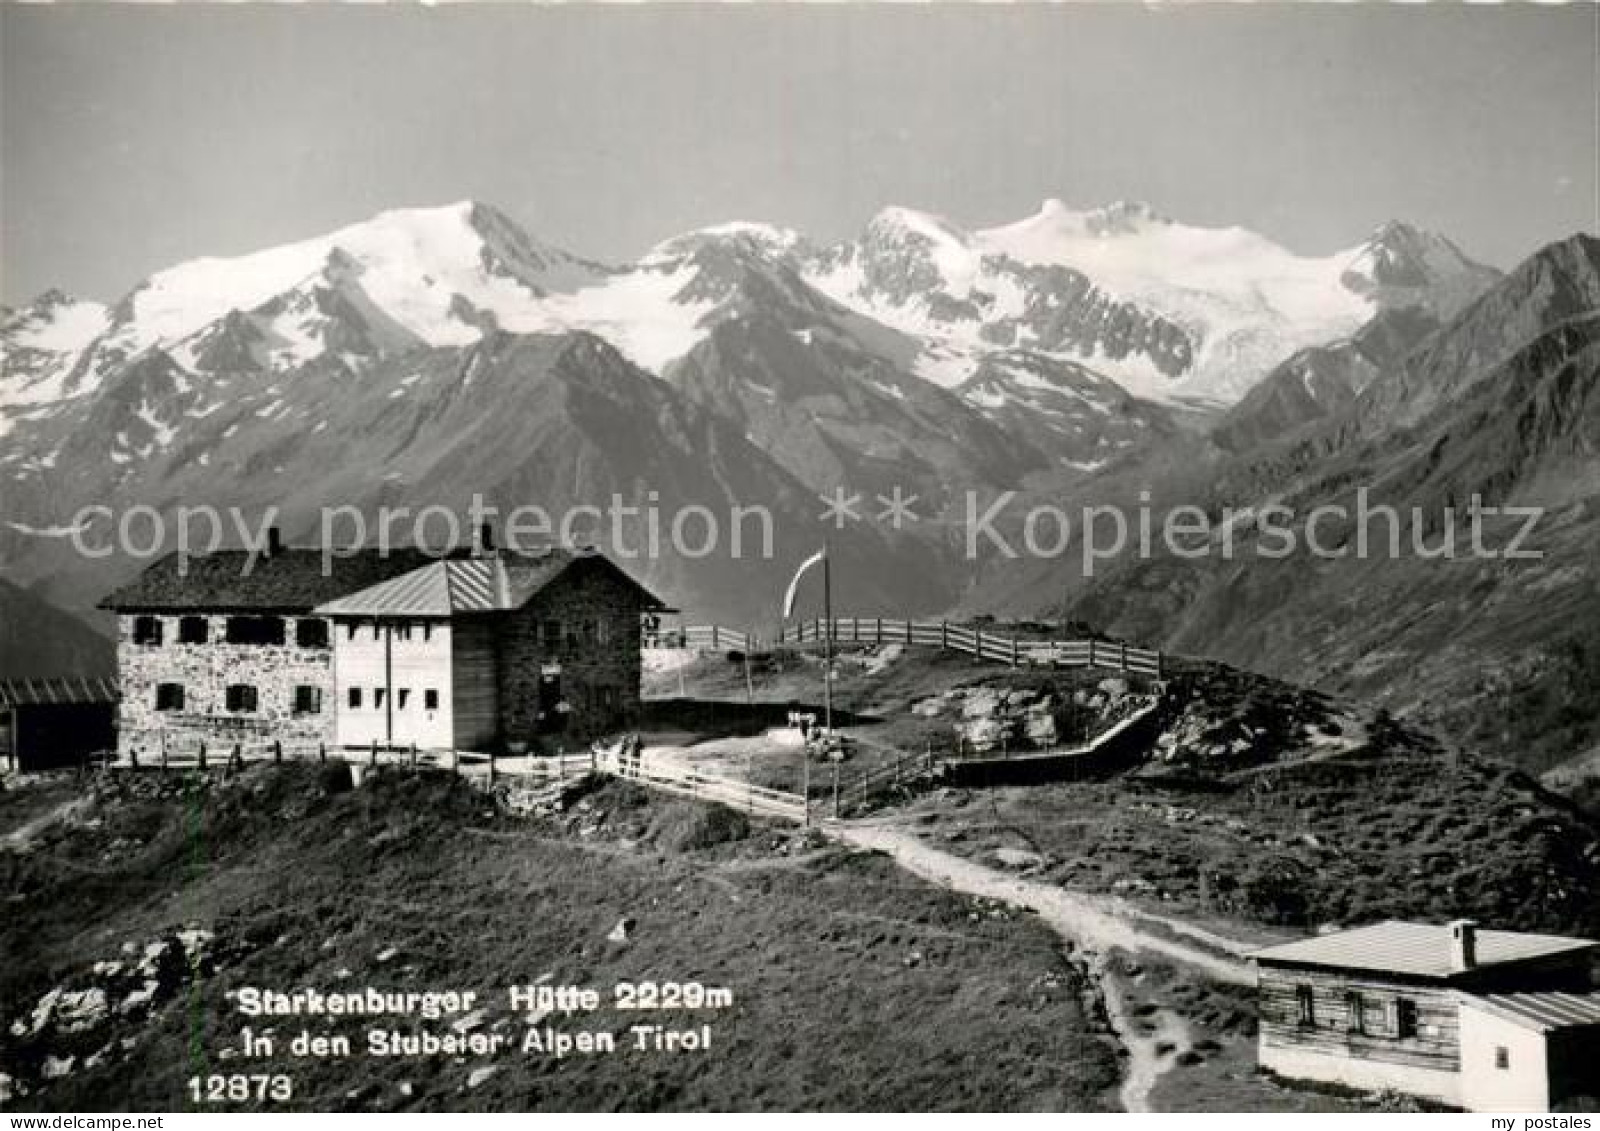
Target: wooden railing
(624, 761)
(701, 637)
(982, 643)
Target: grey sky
(135, 137)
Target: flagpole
(827, 648)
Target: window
(403, 697)
(377, 698)
(608, 699)
(552, 634)
(147, 630)
(354, 697)
(430, 699)
(402, 631)
(255, 630)
(1405, 1018)
(1502, 1056)
(311, 632)
(169, 696)
(602, 631)
(1355, 1011)
(350, 631)
(307, 700)
(427, 631)
(241, 697)
(193, 630)
(1306, 1004)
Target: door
(552, 716)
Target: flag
(794, 582)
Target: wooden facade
(1486, 1021)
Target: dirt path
(1098, 925)
(19, 837)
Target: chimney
(274, 542)
(485, 540)
(1463, 945)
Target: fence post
(908, 632)
(1124, 655)
(455, 760)
(413, 755)
(1014, 659)
(836, 791)
(202, 754)
(878, 638)
(491, 766)
(322, 751)
(715, 637)
(236, 759)
(372, 758)
(944, 635)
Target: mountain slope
(42, 640)
(1502, 402)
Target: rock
(479, 1075)
(1018, 857)
(1114, 686)
(407, 1089)
(386, 954)
(56, 1067)
(622, 931)
(469, 1022)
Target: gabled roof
(1542, 1012)
(470, 585)
(57, 689)
(291, 580)
(1417, 949)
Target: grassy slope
(854, 987)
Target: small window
(1306, 1004)
(552, 634)
(311, 632)
(378, 695)
(1502, 1057)
(403, 631)
(307, 700)
(350, 631)
(403, 696)
(147, 630)
(354, 697)
(193, 630)
(241, 697)
(602, 631)
(430, 699)
(1405, 1018)
(608, 699)
(255, 630)
(427, 631)
(1355, 1012)
(169, 696)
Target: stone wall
(579, 600)
(205, 671)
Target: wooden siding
(1435, 1046)
(474, 692)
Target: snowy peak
(419, 267)
(1401, 265)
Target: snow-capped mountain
(1168, 310)
(41, 342)
(921, 356)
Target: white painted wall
(414, 666)
(1353, 1072)
(1523, 1085)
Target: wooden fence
(702, 638)
(982, 643)
(624, 761)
